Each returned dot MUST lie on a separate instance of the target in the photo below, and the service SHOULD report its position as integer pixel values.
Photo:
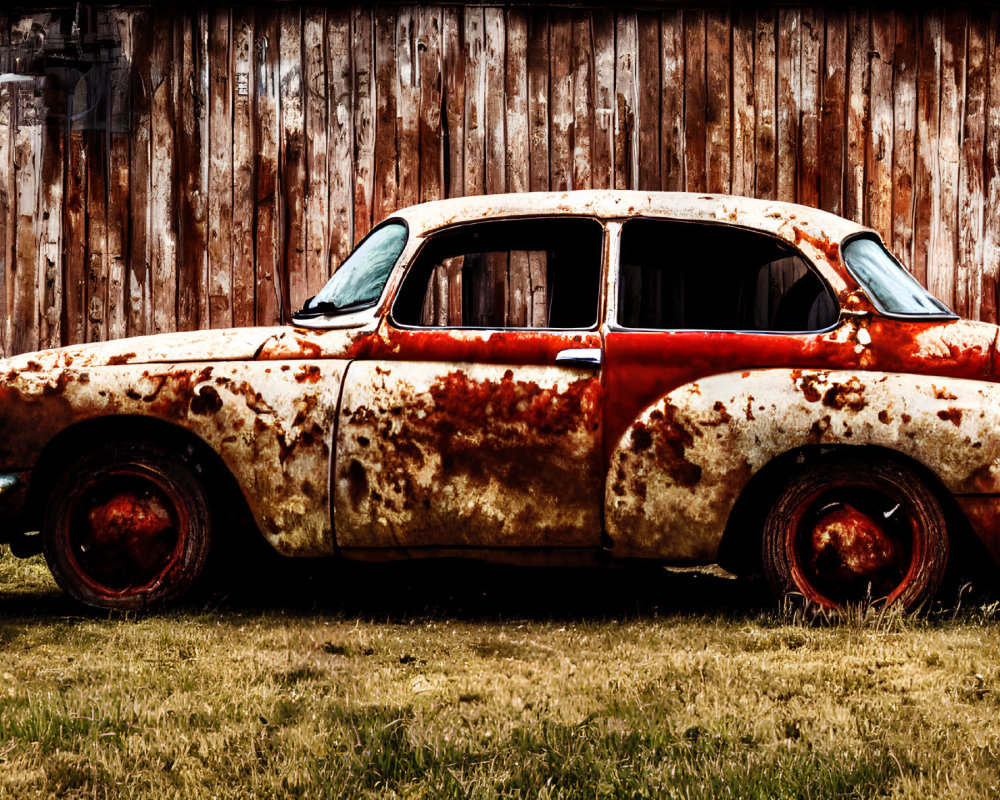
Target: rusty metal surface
(468, 455)
(270, 421)
(677, 471)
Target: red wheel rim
(854, 542)
(125, 532)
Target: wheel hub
(849, 551)
(126, 534)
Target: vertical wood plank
(744, 101)
(991, 177)
(316, 125)
(626, 101)
(857, 116)
(538, 99)
(789, 50)
(190, 104)
(560, 101)
(339, 37)
(718, 145)
(454, 109)
(220, 186)
(140, 279)
(695, 102)
(583, 101)
(75, 226)
(603, 38)
(904, 120)
(294, 286)
(7, 190)
(832, 126)
(475, 102)
(49, 246)
(495, 146)
(970, 195)
(927, 202)
(648, 106)
(517, 156)
(407, 107)
(267, 121)
(672, 136)
(386, 153)
(243, 91)
(765, 105)
(879, 150)
(27, 177)
(364, 131)
(429, 60)
(809, 109)
(118, 179)
(947, 278)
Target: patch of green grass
(324, 703)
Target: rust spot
(943, 393)
(820, 426)
(357, 484)
(206, 401)
(641, 438)
(309, 374)
(884, 417)
(953, 415)
(121, 358)
(845, 395)
(670, 440)
(809, 390)
(457, 398)
(829, 249)
(749, 408)
(906, 418)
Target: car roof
(787, 220)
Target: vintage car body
(360, 435)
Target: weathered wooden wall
(166, 168)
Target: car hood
(234, 344)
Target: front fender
(271, 422)
(678, 470)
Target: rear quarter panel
(676, 472)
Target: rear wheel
(127, 525)
(856, 530)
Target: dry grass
(506, 683)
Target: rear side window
(536, 273)
(691, 276)
(892, 289)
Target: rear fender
(678, 470)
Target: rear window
(891, 288)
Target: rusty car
(589, 377)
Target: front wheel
(855, 530)
(127, 525)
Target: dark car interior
(696, 276)
(532, 273)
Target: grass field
(453, 681)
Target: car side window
(534, 273)
(693, 276)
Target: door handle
(587, 357)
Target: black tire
(852, 530)
(127, 525)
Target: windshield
(888, 284)
(360, 279)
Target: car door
(477, 420)
(699, 299)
